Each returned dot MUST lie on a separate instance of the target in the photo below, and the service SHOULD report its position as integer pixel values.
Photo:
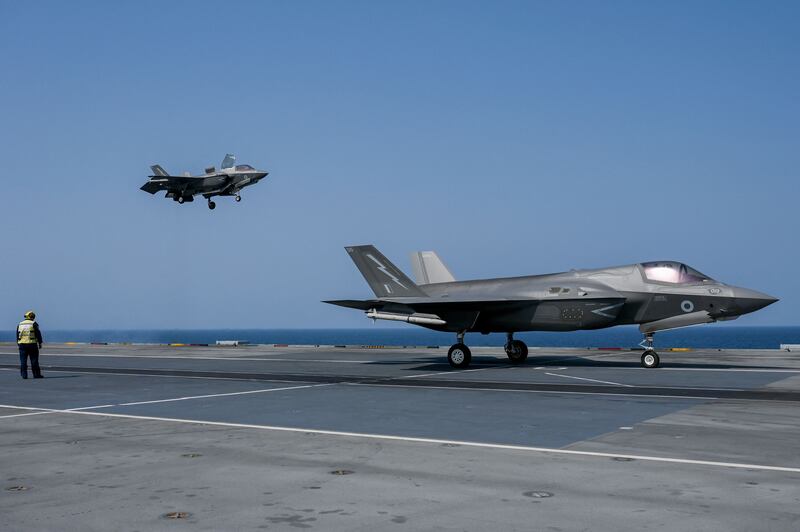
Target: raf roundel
(687, 306)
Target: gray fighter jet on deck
(657, 296)
(227, 181)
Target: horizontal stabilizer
(429, 268)
(153, 186)
(355, 303)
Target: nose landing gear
(238, 198)
(649, 357)
(212, 205)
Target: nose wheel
(649, 357)
(212, 205)
(238, 198)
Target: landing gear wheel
(650, 359)
(517, 351)
(181, 200)
(238, 198)
(459, 356)
(212, 205)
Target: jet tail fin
(429, 268)
(385, 279)
(229, 161)
(158, 171)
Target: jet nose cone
(750, 300)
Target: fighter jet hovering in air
(657, 296)
(227, 181)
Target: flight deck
(346, 438)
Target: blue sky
(512, 137)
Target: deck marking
(195, 357)
(585, 379)
(112, 373)
(390, 382)
(82, 408)
(517, 390)
(388, 437)
(451, 372)
(264, 390)
(589, 357)
(50, 411)
(25, 414)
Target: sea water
(710, 336)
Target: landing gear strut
(516, 350)
(459, 355)
(649, 357)
(211, 205)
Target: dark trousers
(27, 351)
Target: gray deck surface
(246, 438)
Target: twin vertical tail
(158, 171)
(385, 279)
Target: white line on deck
(264, 390)
(194, 357)
(387, 437)
(50, 411)
(80, 409)
(444, 373)
(138, 373)
(585, 379)
(489, 366)
(25, 414)
(517, 390)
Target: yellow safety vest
(26, 333)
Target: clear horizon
(513, 138)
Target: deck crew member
(29, 340)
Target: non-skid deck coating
(573, 439)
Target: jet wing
(429, 304)
(171, 182)
(447, 306)
(414, 302)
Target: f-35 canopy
(673, 272)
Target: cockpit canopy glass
(243, 167)
(674, 273)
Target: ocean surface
(710, 336)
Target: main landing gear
(238, 198)
(649, 357)
(516, 350)
(459, 355)
(181, 200)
